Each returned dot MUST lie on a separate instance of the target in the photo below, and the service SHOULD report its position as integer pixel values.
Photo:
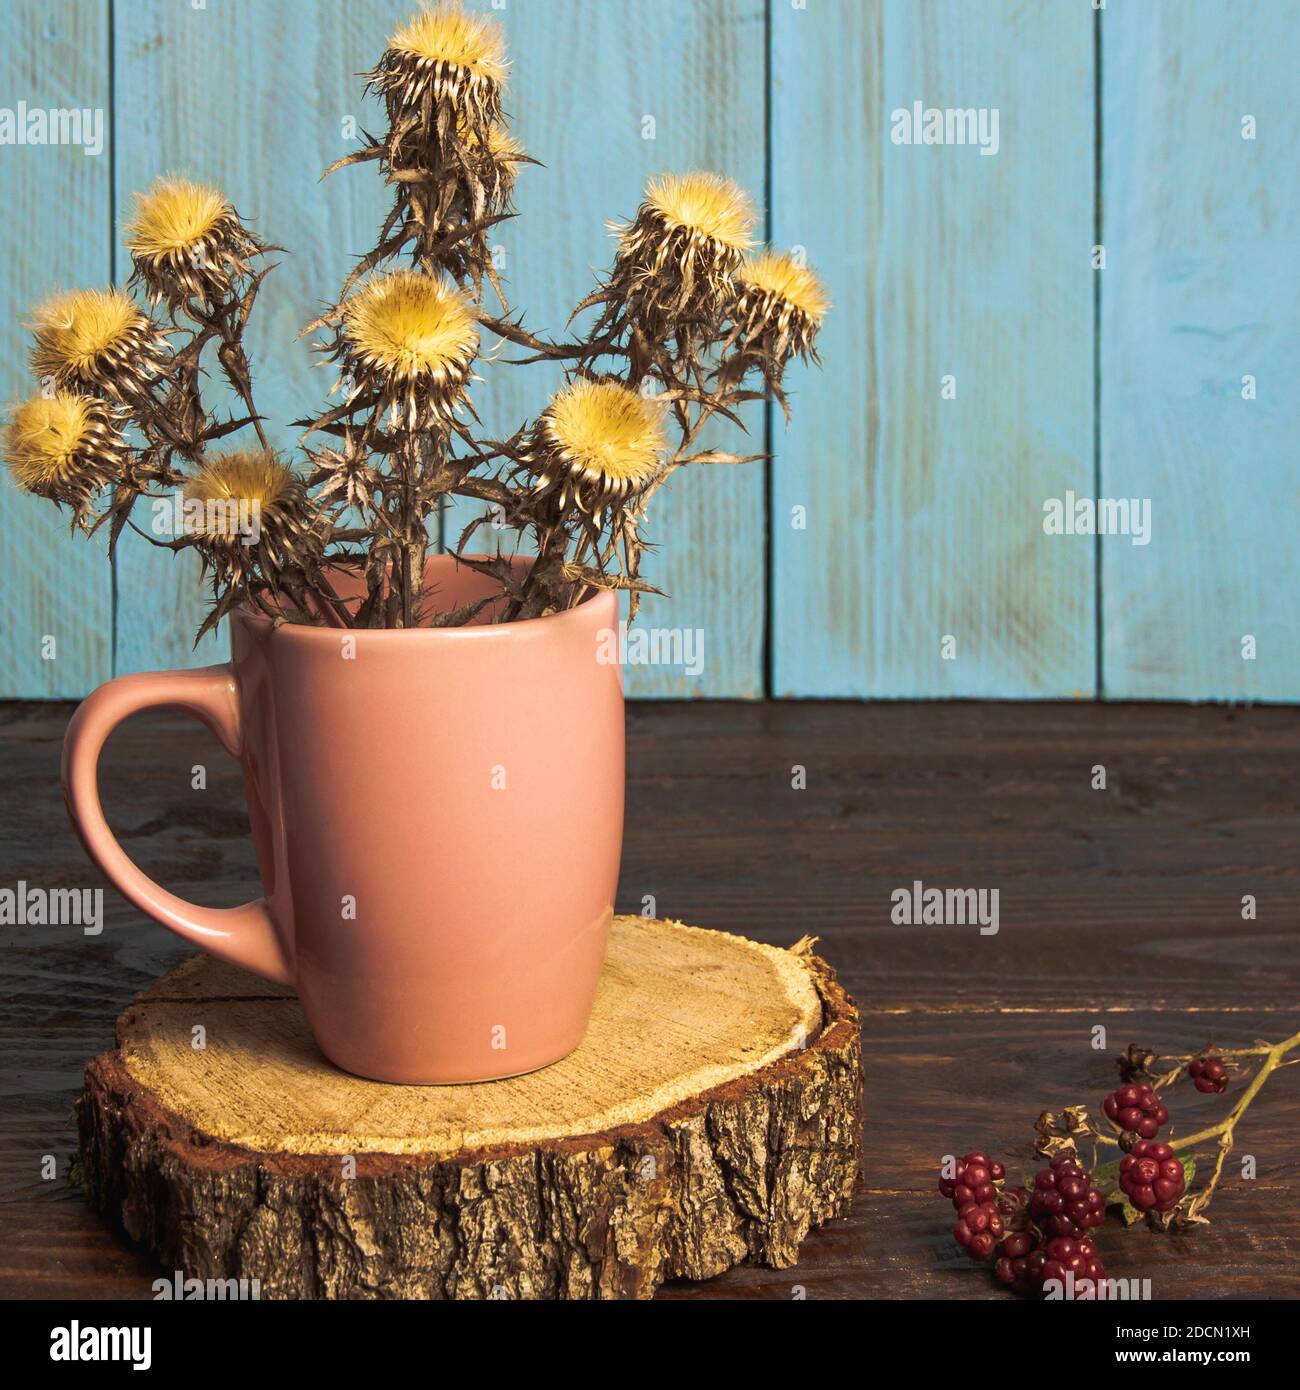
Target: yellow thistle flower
(411, 325)
(65, 447)
(409, 340)
(98, 341)
(187, 242)
(252, 476)
(597, 443)
(672, 272)
(249, 504)
(442, 55)
(174, 215)
(447, 34)
(778, 311)
(782, 277)
(707, 204)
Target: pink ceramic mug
(438, 818)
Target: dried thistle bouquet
(688, 324)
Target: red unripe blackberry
(978, 1229)
(1136, 1108)
(1017, 1245)
(981, 1246)
(1064, 1201)
(972, 1180)
(1151, 1177)
(1019, 1266)
(1078, 1257)
(1208, 1073)
(1096, 1270)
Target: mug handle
(244, 936)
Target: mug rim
(251, 617)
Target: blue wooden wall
(979, 361)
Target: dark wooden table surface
(1120, 908)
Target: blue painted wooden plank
(55, 235)
(1200, 306)
(589, 81)
(924, 514)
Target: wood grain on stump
(712, 1116)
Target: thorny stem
(333, 609)
(234, 363)
(274, 614)
(549, 530)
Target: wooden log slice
(712, 1116)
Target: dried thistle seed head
(408, 342)
(187, 242)
(98, 342)
(676, 258)
(66, 447)
(708, 205)
(446, 34)
(441, 57)
(252, 477)
(779, 307)
(596, 444)
(250, 504)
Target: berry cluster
(1043, 1234)
(1208, 1073)
(1151, 1177)
(1064, 1201)
(1136, 1108)
(1035, 1235)
(972, 1180)
(974, 1197)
